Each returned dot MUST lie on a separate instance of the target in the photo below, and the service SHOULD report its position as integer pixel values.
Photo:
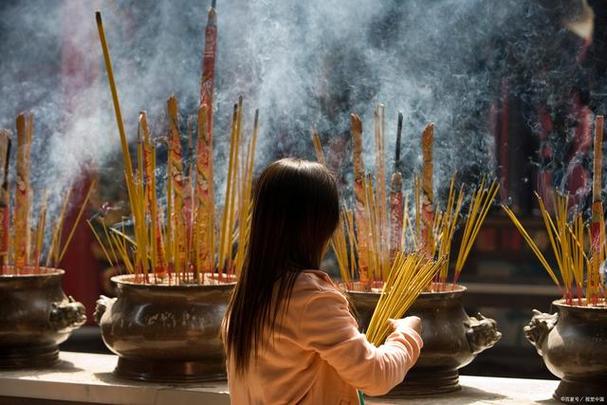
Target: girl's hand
(412, 322)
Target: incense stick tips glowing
(172, 106)
(143, 127)
(357, 125)
(599, 121)
(428, 135)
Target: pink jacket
(318, 356)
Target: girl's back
(317, 356)
(290, 336)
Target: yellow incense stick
(110, 73)
(101, 244)
(360, 212)
(40, 231)
(76, 221)
(531, 243)
(22, 194)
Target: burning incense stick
(396, 197)
(399, 131)
(427, 217)
(22, 196)
(158, 257)
(5, 148)
(359, 195)
(232, 184)
(373, 233)
(597, 229)
(207, 84)
(128, 166)
(205, 211)
(204, 155)
(176, 177)
(207, 80)
(382, 195)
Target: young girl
(290, 337)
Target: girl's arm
(328, 328)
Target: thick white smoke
(302, 63)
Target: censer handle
(67, 315)
(539, 327)
(103, 304)
(481, 333)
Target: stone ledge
(87, 378)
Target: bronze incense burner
(573, 344)
(165, 333)
(36, 317)
(452, 339)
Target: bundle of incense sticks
(578, 259)
(21, 250)
(409, 276)
(181, 244)
(371, 235)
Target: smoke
(53, 68)
(302, 63)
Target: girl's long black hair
(295, 212)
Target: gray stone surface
(88, 378)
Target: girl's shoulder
(314, 281)
(317, 278)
